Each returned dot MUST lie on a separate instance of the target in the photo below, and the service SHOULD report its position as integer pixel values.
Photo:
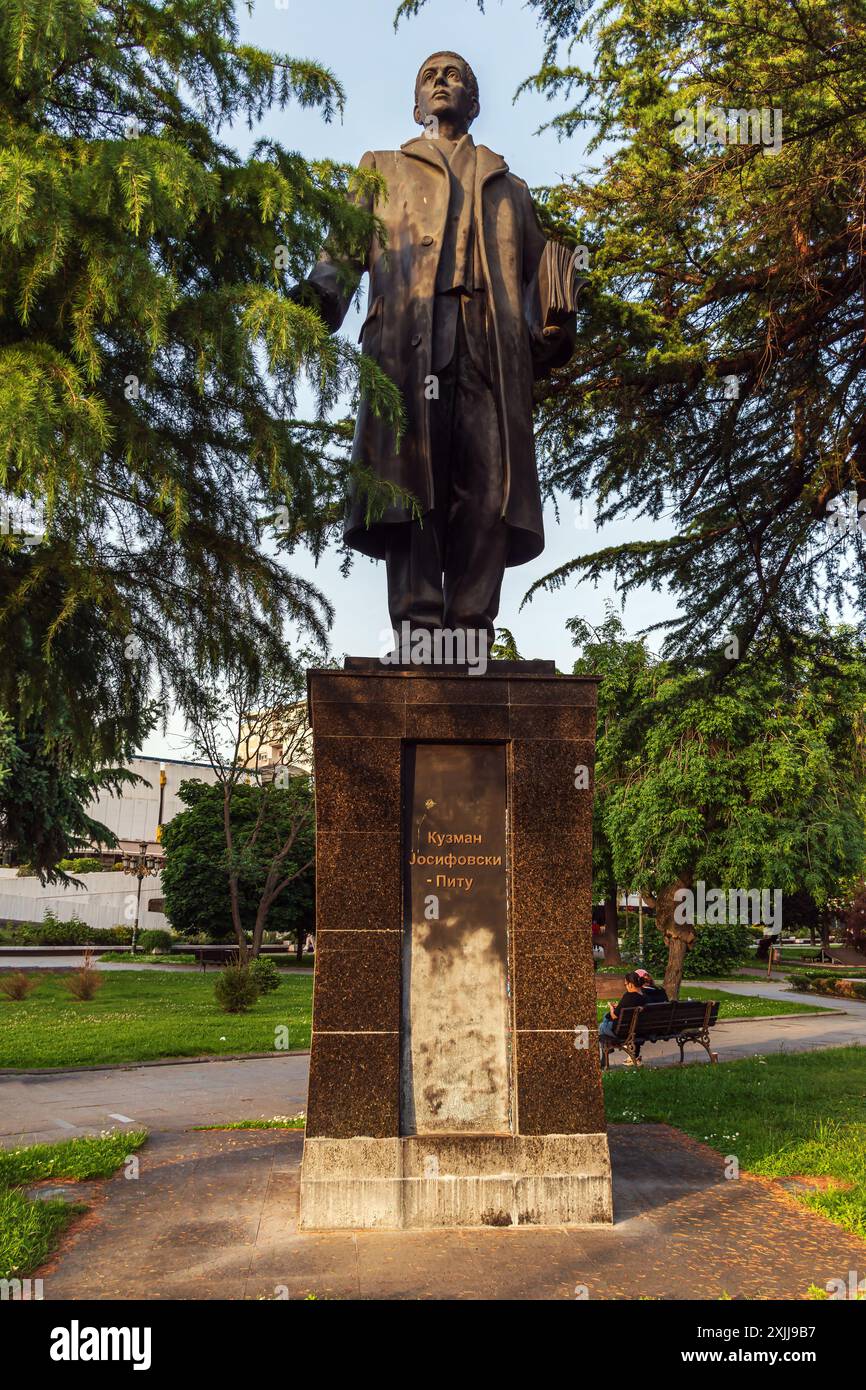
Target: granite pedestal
(454, 1072)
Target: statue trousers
(446, 570)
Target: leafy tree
(623, 664)
(757, 782)
(149, 356)
(505, 646)
(196, 874)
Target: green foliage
(195, 876)
(236, 989)
(145, 962)
(90, 1156)
(155, 939)
(150, 353)
(265, 974)
(801, 981)
(29, 1229)
(42, 799)
(815, 983)
(752, 781)
(142, 1015)
(713, 266)
(53, 932)
(81, 866)
(505, 646)
(716, 953)
(755, 780)
(623, 664)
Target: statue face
(444, 95)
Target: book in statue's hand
(559, 285)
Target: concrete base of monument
(430, 1181)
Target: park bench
(686, 1020)
(215, 955)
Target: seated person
(632, 998)
(653, 993)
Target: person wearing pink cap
(652, 993)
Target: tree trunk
(262, 911)
(234, 898)
(609, 938)
(678, 936)
(825, 930)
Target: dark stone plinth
(372, 664)
(377, 1153)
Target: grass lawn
(126, 958)
(780, 1115)
(140, 1015)
(29, 1229)
(738, 1005)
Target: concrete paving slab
(36, 1108)
(214, 1215)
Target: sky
(356, 40)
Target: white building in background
(105, 900)
(136, 815)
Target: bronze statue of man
(456, 320)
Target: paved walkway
(776, 989)
(44, 1108)
(214, 1216)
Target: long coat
(398, 331)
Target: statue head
(446, 95)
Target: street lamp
(142, 865)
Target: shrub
(716, 950)
(801, 982)
(235, 989)
(53, 932)
(17, 985)
(85, 865)
(858, 989)
(83, 984)
(265, 974)
(826, 984)
(122, 934)
(156, 939)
